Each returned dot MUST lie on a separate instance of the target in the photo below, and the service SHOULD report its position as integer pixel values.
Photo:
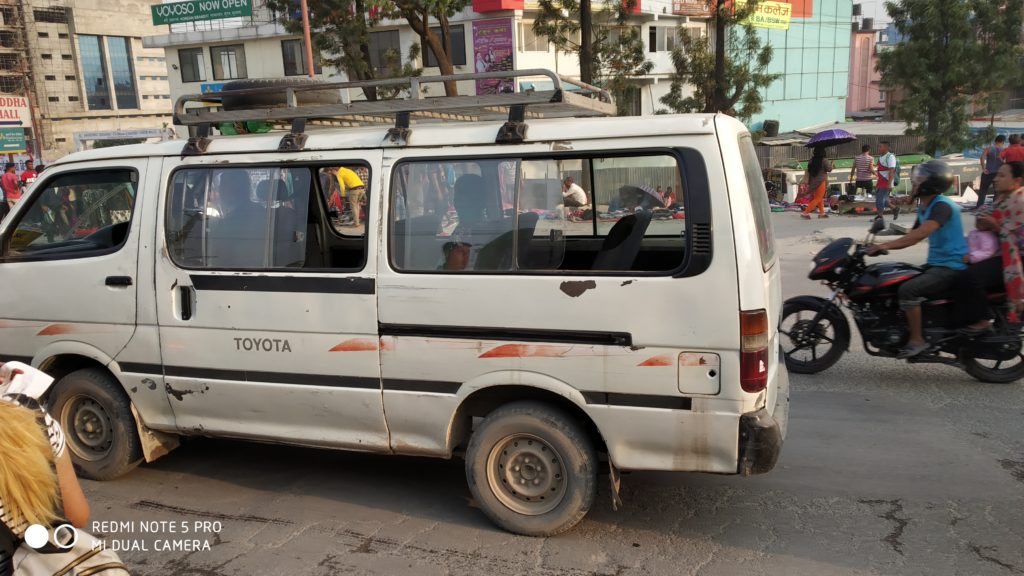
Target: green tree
(610, 51)
(954, 52)
(418, 13)
(728, 78)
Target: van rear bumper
(760, 443)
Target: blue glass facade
(94, 73)
(813, 57)
(122, 72)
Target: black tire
(543, 447)
(796, 336)
(275, 99)
(96, 416)
(996, 374)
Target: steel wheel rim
(87, 427)
(526, 474)
(805, 335)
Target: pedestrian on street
(863, 172)
(990, 163)
(887, 167)
(816, 178)
(11, 185)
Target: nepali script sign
(775, 15)
(195, 10)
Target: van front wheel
(532, 468)
(98, 424)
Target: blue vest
(947, 245)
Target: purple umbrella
(831, 137)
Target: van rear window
(613, 213)
(758, 201)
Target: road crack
(980, 552)
(895, 507)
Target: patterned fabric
(863, 164)
(57, 443)
(1008, 212)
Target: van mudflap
(760, 443)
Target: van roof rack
(515, 107)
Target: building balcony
(692, 8)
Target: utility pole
(306, 36)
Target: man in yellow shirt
(354, 190)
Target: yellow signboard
(771, 15)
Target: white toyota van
(424, 288)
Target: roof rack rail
(515, 107)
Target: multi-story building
(812, 55)
(864, 92)
(202, 55)
(81, 67)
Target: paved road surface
(888, 469)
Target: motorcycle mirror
(877, 226)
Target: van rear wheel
(98, 424)
(532, 468)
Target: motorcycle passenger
(1005, 217)
(938, 220)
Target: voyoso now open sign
(194, 10)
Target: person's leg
(882, 201)
(986, 182)
(970, 287)
(818, 201)
(932, 282)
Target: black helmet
(937, 177)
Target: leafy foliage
(728, 77)
(610, 51)
(955, 52)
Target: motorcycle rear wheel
(1001, 372)
(824, 341)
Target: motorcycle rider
(938, 220)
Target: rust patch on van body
(527, 351)
(57, 330)
(387, 344)
(690, 359)
(357, 345)
(663, 360)
(575, 288)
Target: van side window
(602, 213)
(78, 214)
(262, 218)
(758, 200)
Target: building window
(48, 77)
(62, 35)
(661, 39)
(97, 84)
(46, 56)
(385, 50)
(7, 12)
(294, 54)
(11, 62)
(228, 62)
(193, 65)
(145, 96)
(530, 42)
(70, 77)
(164, 78)
(53, 15)
(120, 52)
(10, 84)
(458, 34)
(44, 34)
(8, 39)
(54, 99)
(61, 140)
(66, 56)
(72, 98)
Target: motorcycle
(819, 332)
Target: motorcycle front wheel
(814, 333)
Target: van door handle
(185, 292)
(119, 280)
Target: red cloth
(12, 190)
(1013, 153)
(29, 176)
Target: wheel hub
(526, 474)
(91, 432)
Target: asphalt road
(887, 469)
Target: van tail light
(754, 350)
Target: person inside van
(469, 204)
(236, 239)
